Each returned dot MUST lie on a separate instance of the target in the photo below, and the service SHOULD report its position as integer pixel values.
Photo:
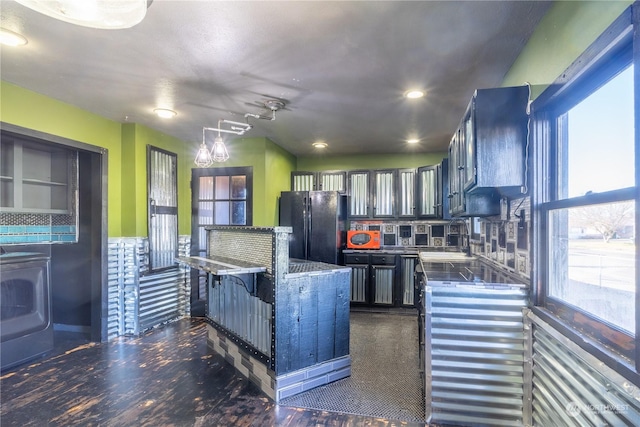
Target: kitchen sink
(445, 257)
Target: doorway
(219, 196)
(78, 273)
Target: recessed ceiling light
(414, 94)
(320, 144)
(413, 141)
(165, 113)
(10, 38)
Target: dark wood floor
(168, 377)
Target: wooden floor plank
(167, 377)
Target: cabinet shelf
(35, 177)
(43, 182)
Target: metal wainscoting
(474, 354)
(138, 302)
(123, 264)
(572, 387)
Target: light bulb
(203, 158)
(219, 151)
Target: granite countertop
(460, 268)
(221, 266)
(383, 251)
(300, 266)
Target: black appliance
(26, 327)
(318, 222)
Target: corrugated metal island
(282, 323)
(472, 342)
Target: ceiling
(342, 67)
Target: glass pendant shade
(104, 14)
(219, 151)
(203, 158)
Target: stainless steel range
(26, 327)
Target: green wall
(135, 139)
(562, 35)
(31, 110)
(272, 167)
(126, 149)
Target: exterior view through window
(591, 251)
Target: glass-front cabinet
(358, 194)
(407, 193)
(384, 187)
(333, 181)
(319, 181)
(456, 175)
(428, 192)
(303, 181)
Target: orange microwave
(360, 239)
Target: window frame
(617, 48)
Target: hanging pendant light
(203, 158)
(103, 14)
(219, 151)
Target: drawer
(383, 259)
(356, 258)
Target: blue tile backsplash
(16, 228)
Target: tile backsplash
(505, 242)
(21, 228)
(502, 242)
(421, 234)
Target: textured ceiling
(341, 66)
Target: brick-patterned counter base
(282, 386)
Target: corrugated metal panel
(474, 354)
(232, 305)
(123, 265)
(358, 283)
(573, 388)
(114, 286)
(162, 298)
(139, 302)
(408, 266)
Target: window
(587, 209)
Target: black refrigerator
(318, 221)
